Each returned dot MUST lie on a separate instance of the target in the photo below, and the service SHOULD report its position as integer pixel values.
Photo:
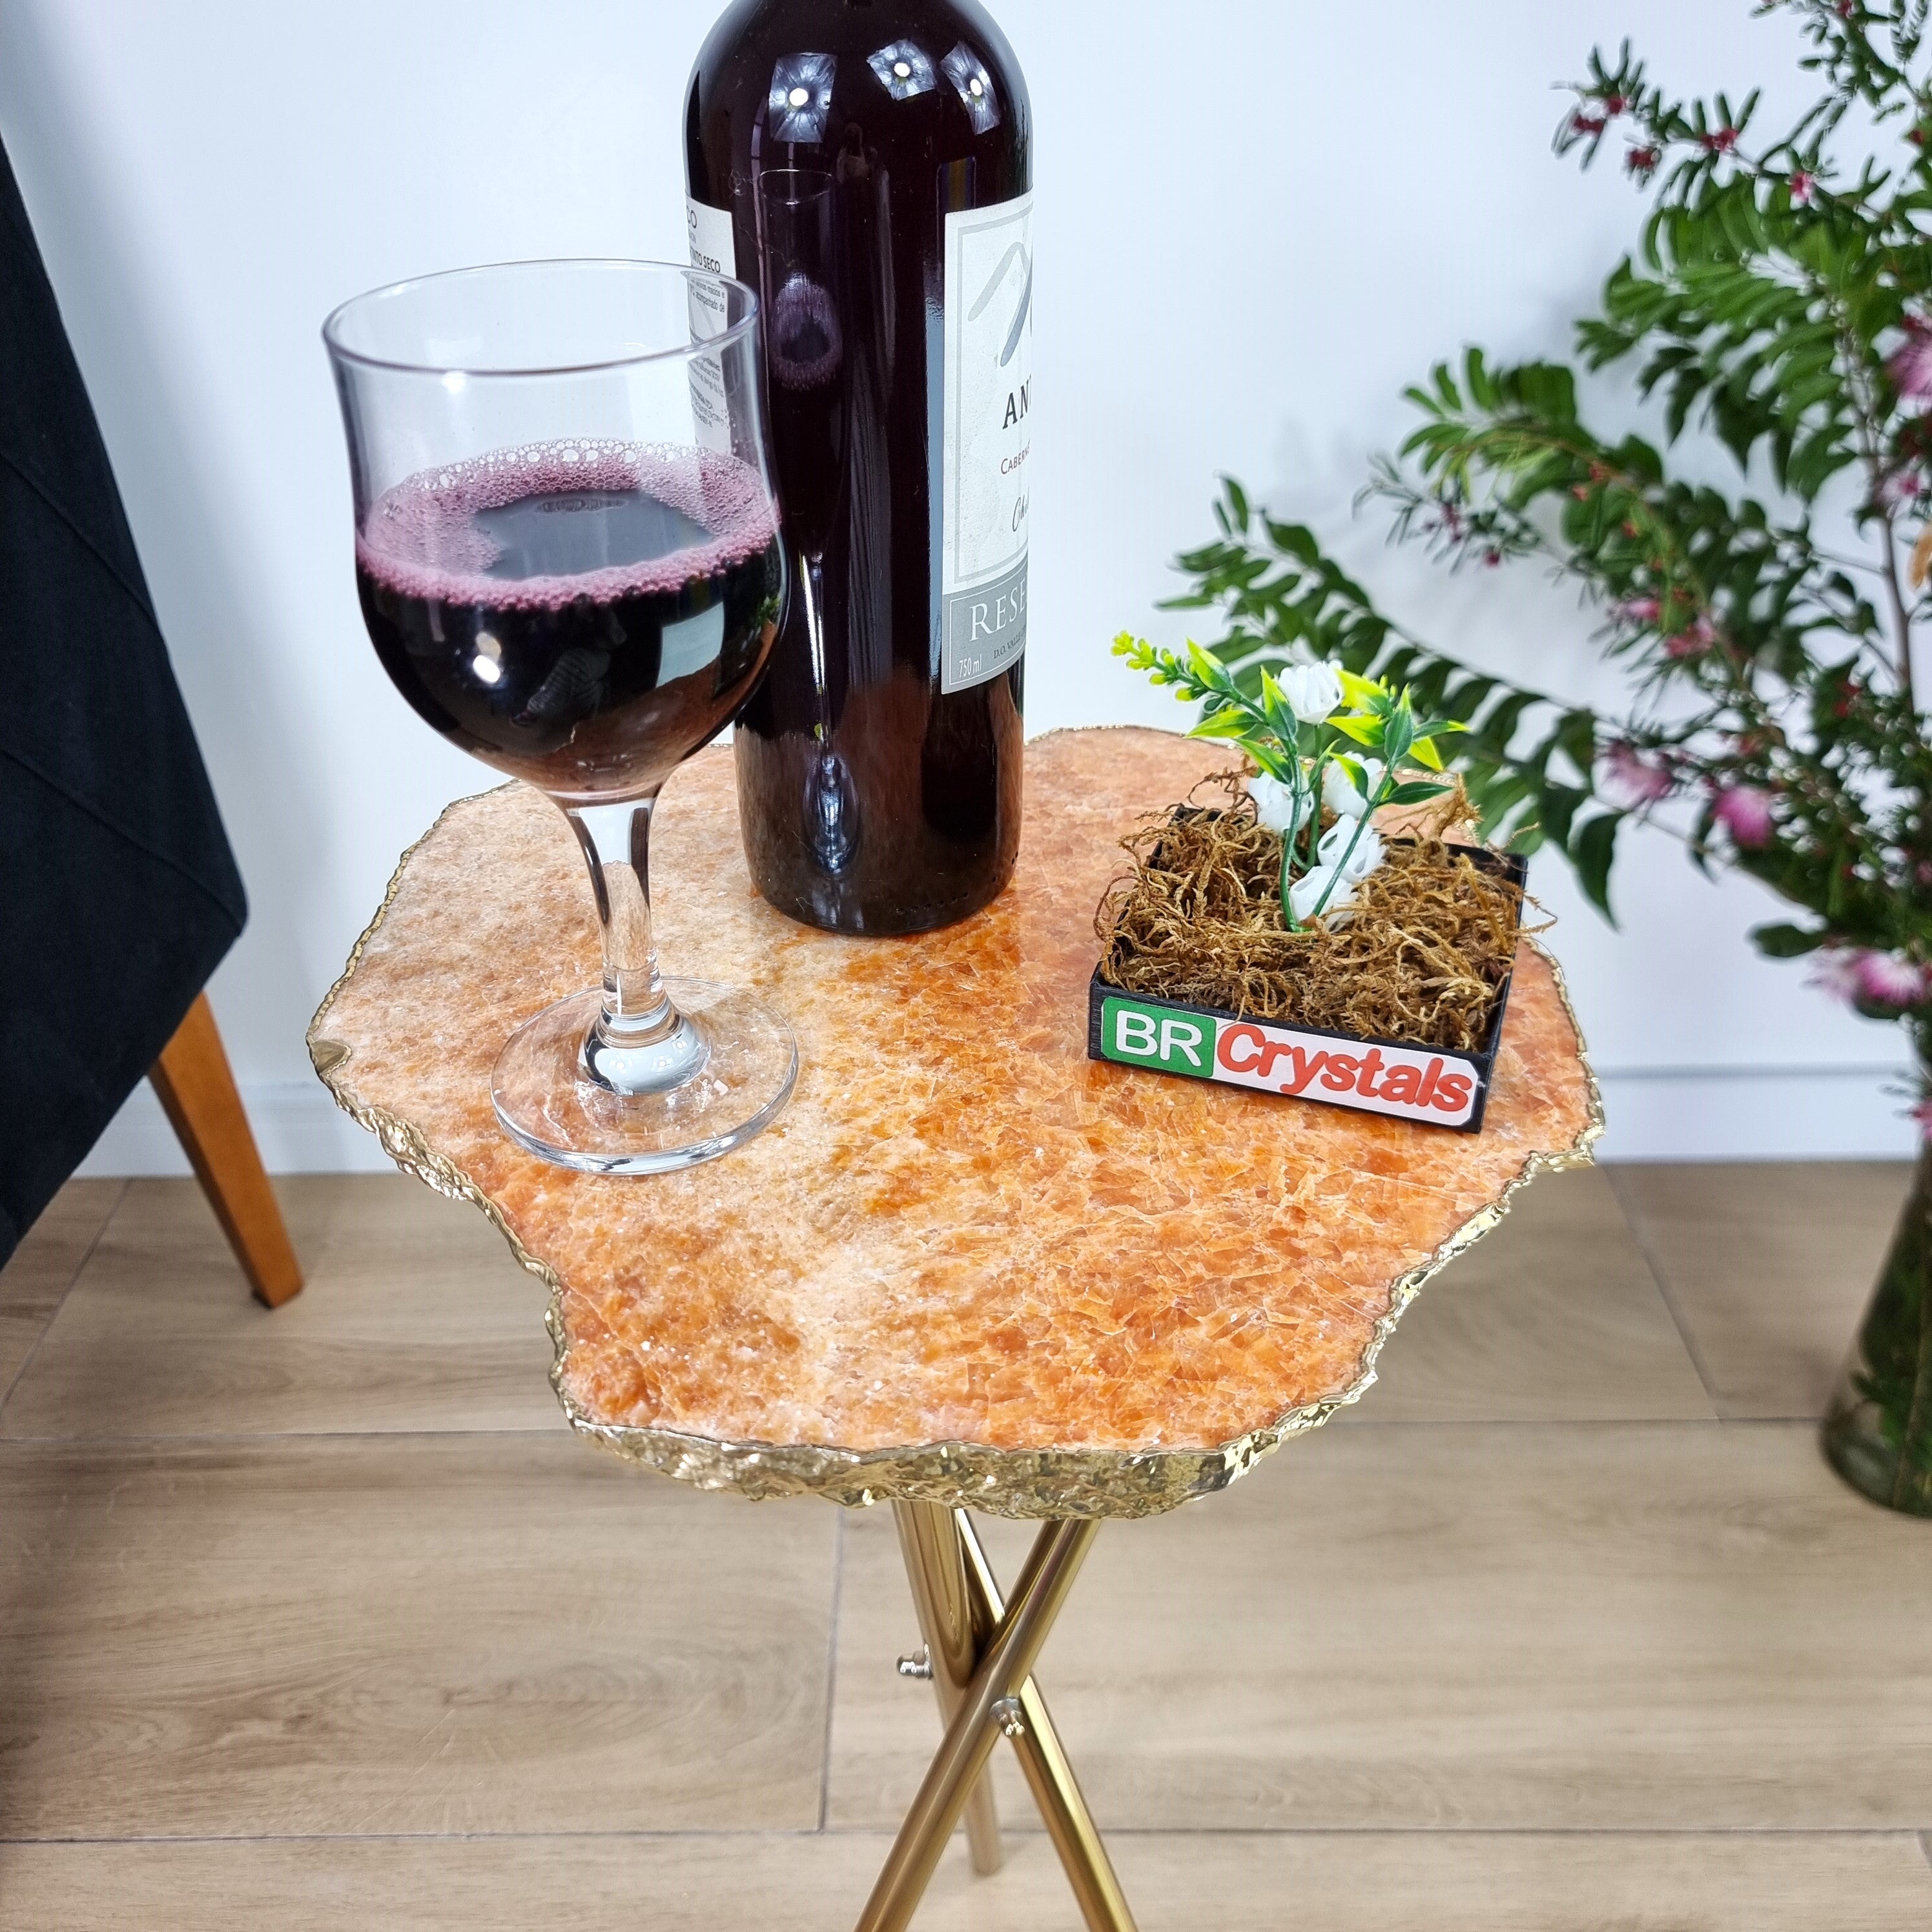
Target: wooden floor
(1566, 1626)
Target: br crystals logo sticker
(1439, 1088)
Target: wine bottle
(866, 165)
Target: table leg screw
(1010, 1716)
(919, 1664)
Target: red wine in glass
(582, 618)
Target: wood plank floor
(1566, 1626)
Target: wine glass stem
(640, 1043)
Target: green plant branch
(1859, 382)
(1462, 453)
(1780, 302)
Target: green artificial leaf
(1226, 724)
(1271, 761)
(1367, 731)
(1276, 706)
(1205, 670)
(1399, 732)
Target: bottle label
(988, 432)
(713, 250)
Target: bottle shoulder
(770, 27)
(938, 73)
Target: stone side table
(969, 1267)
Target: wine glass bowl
(582, 615)
(568, 555)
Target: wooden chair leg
(197, 1089)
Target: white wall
(1256, 222)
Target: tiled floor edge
(1659, 1275)
(831, 1670)
(80, 1269)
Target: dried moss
(1419, 956)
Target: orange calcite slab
(968, 1263)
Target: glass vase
(1878, 1433)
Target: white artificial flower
(1313, 691)
(1278, 807)
(1305, 895)
(1339, 792)
(1367, 856)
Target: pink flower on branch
(1633, 778)
(1720, 142)
(1899, 489)
(1745, 811)
(1890, 979)
(1803, 189)
(1640, 610)
(1581, 123)
(1641, 162)
(1860, 973)
(1691, 642)
(1909, 365)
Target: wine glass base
(547, 1104)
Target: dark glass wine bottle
(866, 165)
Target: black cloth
(118, 893)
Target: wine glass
(567, 549)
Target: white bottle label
(713, 250)
(988, 432)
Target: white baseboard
(298, 1128)
(1836, 1113)
(1771, 1113)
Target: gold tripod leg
(1051, 1567)
(1049, 1776)
(936, 1568)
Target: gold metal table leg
(1051, 1566)
(1049, 1775)
(999, 1696)
(936, 1568)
